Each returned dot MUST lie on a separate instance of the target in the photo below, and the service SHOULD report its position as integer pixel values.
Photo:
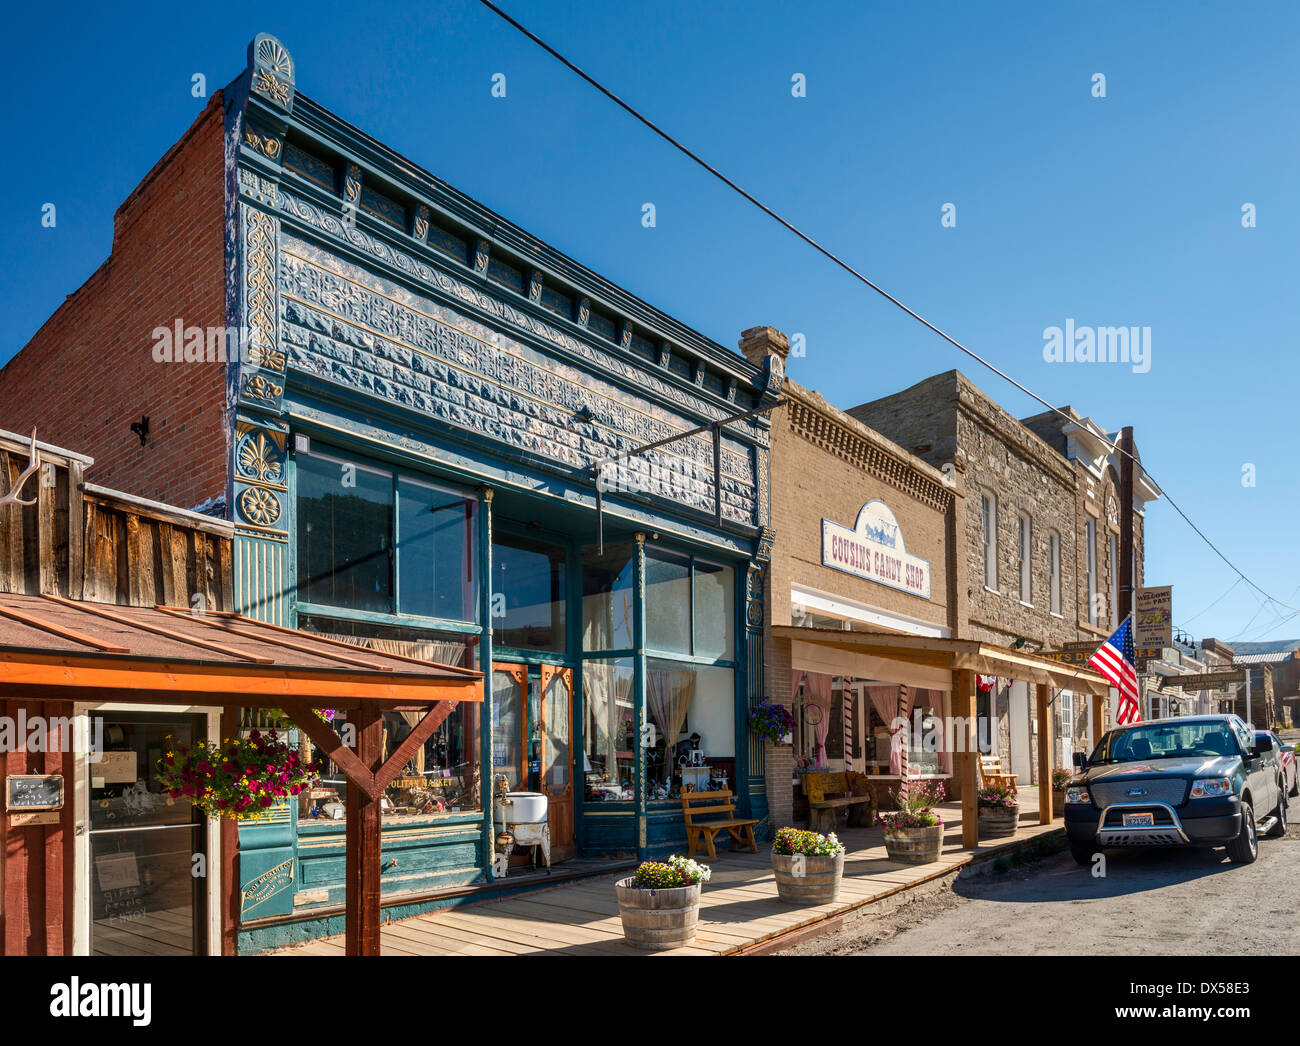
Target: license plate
(1139, 820)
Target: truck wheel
(1279, 828)
(1245, 848)
(1082, 852)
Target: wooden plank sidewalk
(739, 907)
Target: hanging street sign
(1153, 616)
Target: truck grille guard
(1157, 835)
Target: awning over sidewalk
(953, 655)
(55, 649)
(966, 659)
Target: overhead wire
(831, 256)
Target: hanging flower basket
(772, 723)
(241, 779)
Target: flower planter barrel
(996, 823)
(914, 845)
(1058, 804)
(655, 920)
(805, 879)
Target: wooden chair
(991, 773)
(721, 802)
(828, 792)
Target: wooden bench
(828, 792)
(719, 802)
(991, 773)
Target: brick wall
(89, 372)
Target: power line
(831, 256)
(1212, 605)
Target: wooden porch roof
(50, 645)
(953, 654)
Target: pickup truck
(1190, 781)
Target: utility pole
(1126, 556)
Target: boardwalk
(739, 909)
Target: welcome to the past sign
(874, 549)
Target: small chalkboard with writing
(34, 792)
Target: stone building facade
(1040, 527)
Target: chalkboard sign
(34, 792)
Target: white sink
(528, 807)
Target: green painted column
(485, 663)
(638, 693)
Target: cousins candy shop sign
(873, 548)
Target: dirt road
(1157, 902)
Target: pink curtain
(818, 688)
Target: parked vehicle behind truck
(1190, 781)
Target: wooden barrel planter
(914, 845)
(810, 880)
(1058, 803)
(997, 823)
(655, 920)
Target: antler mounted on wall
(33, 466)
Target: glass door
(145, 896)
(532, 730)
(556, 734)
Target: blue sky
(1115, 211)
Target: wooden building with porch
(117, 641)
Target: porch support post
(963, 698)
(1098, 723)
(638, 696)
(361, 867)
(1042, 698)
(486, 769)
(231, 893)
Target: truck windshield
(1166, 741)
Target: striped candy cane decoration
(850, 696)
(905, 710)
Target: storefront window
(609, 731)
(668, 601)
(345, 519)
(528, 594)
(442, 777)
(607, 599)
(369, 539)
(687, 706)
(436, 552)
(715, 592)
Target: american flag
(1114, 660)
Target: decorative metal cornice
(273, 93)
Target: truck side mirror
(1080, 760)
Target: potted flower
(999, 811)
(240, 779)
(772, 723)
(1060, 778)
(914, 831)
(660, 903)
(808, 866)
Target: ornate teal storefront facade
(413, 430)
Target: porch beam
(412, 742)
(351, 763)
(231, 887)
